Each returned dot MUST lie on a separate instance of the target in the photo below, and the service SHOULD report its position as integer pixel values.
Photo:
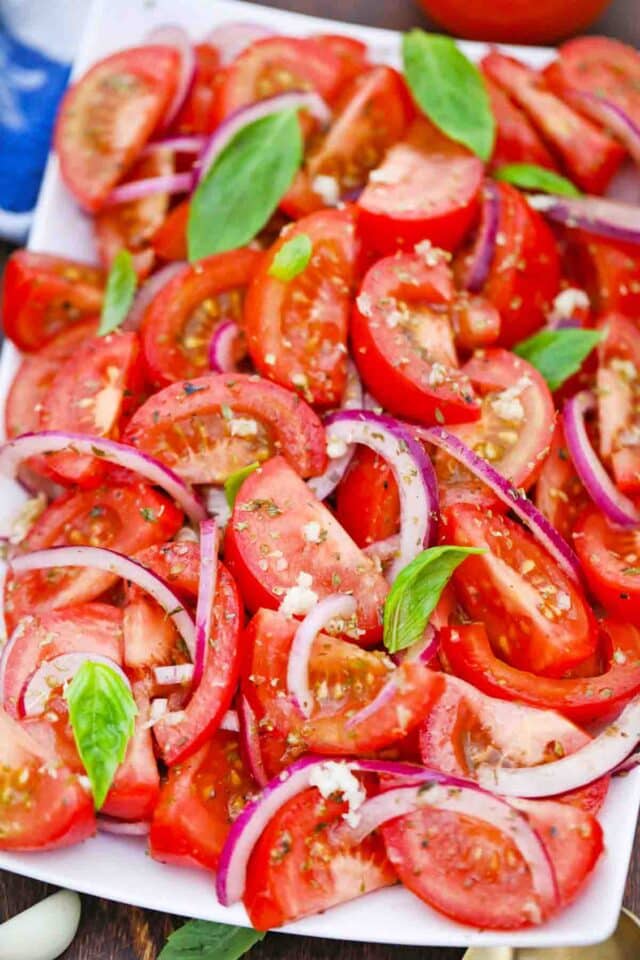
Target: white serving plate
(118, 868)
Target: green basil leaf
(244, 186)
(416, 591)
(119, 292)
(102, 712)
(449, 89)
(558, 354)
(529, 176)
(292, 257)
(204, 940)
(235, 480)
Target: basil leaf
(416, 591)
(203, 940)
(244, 186)
(235, 480)
(558, 354)
(529, 176)
(449, 89)
(119, 293)
(292, 257)
(102, 712)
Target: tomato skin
(170, 239)
(178, 323)
(603, 551)
(288, 341)
(197, 115)
(42, 295)
(47, 810)
(516, 139)
(274, 500)
(435, 179)
(94, 151)
(608, 270)
(367, 501)
(171, 425)
(403, 341)
(198, 802)
(467, 652)
(560, 495)
(535, 615)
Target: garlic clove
(44, 931)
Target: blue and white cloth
(37, 42)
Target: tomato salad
(322, 519)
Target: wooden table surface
(110, 931)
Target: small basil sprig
(529, 176)
(558, 354)
(292, 258)
(204, 940)
(245, 184)
(102, 712)
(416, 591)
(449, 89)
(119, 292)
(235, 480)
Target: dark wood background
(110, 931)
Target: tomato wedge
(268, 550)
(177, 562)
(590, 155)
(197, 115)
(206, 429)
(467, 652)
(170, 239)
(352, 55)
(560, 495)
(403, 340)
(467, 869)
(291, 340)
(609, 271)
(516, 139)
(427, 188)
(178, 324)
(536, 617)
(42, 805)
(600, 67)
(107, 116)
(42, 295)
(610, 558)
(199, 801)
(123, 518)
(367, 501)
(618, 391)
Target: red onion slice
(147, 292)
(293, 100)
(337, 606)
(167, 676)
(625, 185)
(138, 189)
(250, 740)
(412, 470)
(186, 144)
(481, 256)
(324, 485)
(221, 347)
(120, 566)
(517, 500)
(172, 35)
(599, 485)
(595, 759)
(206, 595)
(422, 650)
(606, 218)
(233, 37)
(13, 453)
(123, 828)
(52, 674)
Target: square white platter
(118, 869)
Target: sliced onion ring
(482, 253)
(324, 485)
(13, 453)
(412, 470)
(186, 144)
(139, 189)
(250, 740)
(172, 35)
(123, 828)
(334, 607)
(147, 292)
(233, 37)
(423, 650)
(606, 218)
(121, 566)
(223, 340)
(53, 673)
(540, 527)
(206, 594)
(597, 482)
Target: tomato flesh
(598, 66)
(367, 501)
(197, 115)
(610, 558)
(516, 139)
(618, 392)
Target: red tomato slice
(291, 339)
(426, 189)
(536, 617)
(367, 501)
(170, 240)
(107, 116)
(524, 276)
(618, 391)
(609, 272)
(598, 66)
(560, 495)
(42, 295)
(470, 871)
(267, 550)
(466, 728)
(199, 801)
(610, 558)
(296, 869)
(215, 691)
(42, 806)
(516, 139)
(467, 652)
(133, 225)
(208, 428)
(198, 113)
(403, 340)
(177, 562)
(123, 518)
(178, 324)
(351, 54)
(150, 640)
(590, 155)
